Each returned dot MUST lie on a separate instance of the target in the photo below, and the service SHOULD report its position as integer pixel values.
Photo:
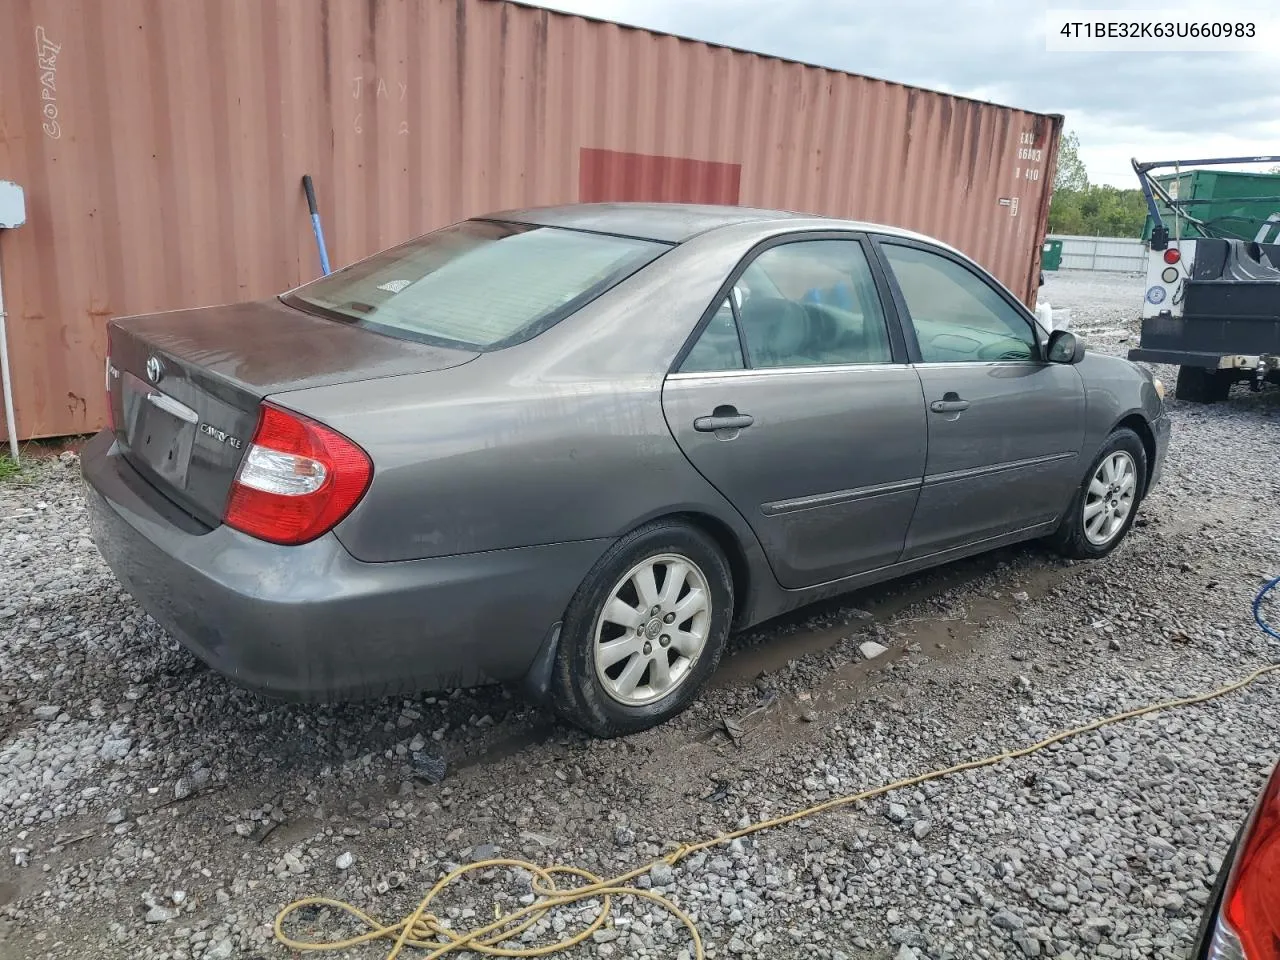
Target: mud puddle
(934, 639)
(772, 645)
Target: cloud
(1152, 105)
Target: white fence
(1102, 253)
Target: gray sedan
(575, 447)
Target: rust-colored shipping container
(161, 144)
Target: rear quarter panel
(460, 468)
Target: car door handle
(723, 421)
(950, 403)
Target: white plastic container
(1050, 319)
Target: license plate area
(160, 430)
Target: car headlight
(1159, 385)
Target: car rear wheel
(1104, 507)
(645, 631)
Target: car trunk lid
(185, 386)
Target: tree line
(1081, 208)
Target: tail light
(1249, 923)
(297, 479)
(1172, 255)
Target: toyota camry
(574, 447)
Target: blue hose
(1267, 628)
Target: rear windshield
(479, 284)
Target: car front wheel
(645, 631)
(1104, 507)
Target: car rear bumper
(313, 623)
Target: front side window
(478, 284)
(957, 316)
(808, 303)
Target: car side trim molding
(973, 472)
(945, 364)
(790, 371)
(779, 507)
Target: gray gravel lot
(149, 809)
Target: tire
(1079, 536)
(590, 691)
(1198, 385)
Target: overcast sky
(1150, 105)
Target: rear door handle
(723, 419)
(950, 403)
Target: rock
(158, 914)
(607, 935)
(46, 712)
(428, 766)
(115, 749)
(921, 829)
(1096, 929)
(1029, 945)
(345, 861)
(896, 812)
(662, 875)
(905, 953)
(114, 816)
(224, 949)
(903, 935)
(1007, 921)
(186, 786)
(1113, 644)
(1021, 596)
(624, 836)
(485, 851)
(870, 649)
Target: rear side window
(718, 348)
(806, 303)
(478, 284)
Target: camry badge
(154, 371)
(220, 435)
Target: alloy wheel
(1110, 498)
(652, 629)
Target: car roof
(674, 222)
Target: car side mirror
(1065, 347)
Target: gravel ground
(149, 810)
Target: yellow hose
(424, 931)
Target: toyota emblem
(154, 370)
